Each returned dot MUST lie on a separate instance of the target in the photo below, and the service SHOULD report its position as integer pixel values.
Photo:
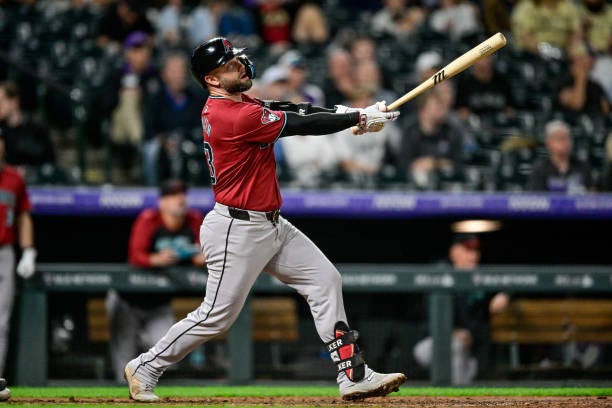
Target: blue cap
(136, 39)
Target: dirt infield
(442, 402)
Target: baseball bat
(459, 64)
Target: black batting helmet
(215, 53)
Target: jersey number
(210, 161)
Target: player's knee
(333, 279)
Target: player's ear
(211, 79)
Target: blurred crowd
(112, 78)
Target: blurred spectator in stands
(204, 21)
(456, 18)
(496, 15)
(362, 158)
(275, 83)
(15, 226)
(577, 92)
(299, 89)
(359, 6)
(597, 20)
(310, 161)
(397, 19)
(431, 143)
(472, 312)
(310, 25)
(427, 64)
(368, 76)
(363, 49)
(341, 78)
(560, 172)
(168, 24)
(170, 116)
(484, 91)
(120, 19)
(124, 96)
(26, 143)
(162, 237)
(238, 23)
(275, 22)
(605, 183)
(537, 23)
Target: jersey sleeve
(140, 240)
(259, 124)
(23, 200)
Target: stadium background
(51, 51)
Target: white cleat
(5, 394)
(139, 390)
(373, 385)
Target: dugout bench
(439, 281)
(552, 321)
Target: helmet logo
(227, 46)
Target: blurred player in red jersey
(15, 220)
(161, 237)
(244, 234)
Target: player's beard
(236, 85)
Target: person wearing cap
(161, 237)
(471, 316)
(427, 64)
(16, 226)
(299, 89)
(561, 171)
(275, 83)
(122, 18)
(122, 102)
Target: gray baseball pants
(7, 294)
(237, 251)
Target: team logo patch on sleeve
(269, 117)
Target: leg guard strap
(347, 338)
(350, 363)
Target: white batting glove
(27, 264)
(371, 119)
(381, 106)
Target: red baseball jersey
(149, 235)
(14, 200)
(239, 146)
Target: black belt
(244, 215)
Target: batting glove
(371, 119)
(27, 263)
(381, 106)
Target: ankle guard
(345, 343)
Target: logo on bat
(439, 77)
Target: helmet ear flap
(248, 65)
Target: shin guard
(348, 359)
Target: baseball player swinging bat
(459, 64)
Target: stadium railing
(439, 282)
